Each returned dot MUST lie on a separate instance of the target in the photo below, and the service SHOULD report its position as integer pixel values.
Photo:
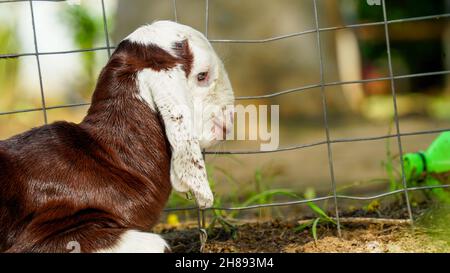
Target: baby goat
(103, 183)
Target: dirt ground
(280, 236)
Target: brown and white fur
(103, 183)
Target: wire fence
(322, 84)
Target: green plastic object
(436, 159)
(425, 167)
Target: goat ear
(172, 99)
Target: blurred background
(354, 110)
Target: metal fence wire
(322, 85)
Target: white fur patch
(133, 241)
(144, 92)
(161, 33)
(171, 96)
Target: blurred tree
(9, 68)
(87, 30)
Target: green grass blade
(302, 227)
(320, 212)
(314, 228)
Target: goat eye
(202, 76)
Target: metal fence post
(325, 118)
(396, 117)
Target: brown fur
(185, 56)
(92, 181)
